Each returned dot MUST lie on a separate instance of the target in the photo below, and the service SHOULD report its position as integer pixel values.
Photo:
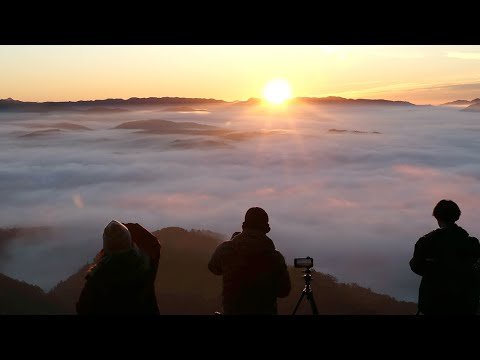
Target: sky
(421, 74)
(354, 201)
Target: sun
(277, 91)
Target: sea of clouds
(355, 202)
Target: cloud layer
(355, 202)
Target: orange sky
(420, 74)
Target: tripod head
(305, 263)
(307, 276)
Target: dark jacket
(149, 245)
(118, 284)
(446, 258)
(254, 274)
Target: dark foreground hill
(185, 286)
(20, 298)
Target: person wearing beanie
(121, 280)
(116, 238)
(254, 272)
(447, 260)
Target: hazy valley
(350, 184)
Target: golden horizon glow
(277, 91)
(422, 74)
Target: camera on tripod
(304, 263)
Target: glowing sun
(277, 91)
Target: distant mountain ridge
(330, 100)
(462, 102)
(98, 106)
(16, 105)
(341, 100)
(473, 108)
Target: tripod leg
(312, 303)
(298, 303)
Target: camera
(303, 262)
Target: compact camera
(303, 262)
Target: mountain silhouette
(19, 298)
(344, 101)
(101, 106)
(329, 100)
(461, 102)
(473, 108)
(9, 100)
(95, 106)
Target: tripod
(308, 292)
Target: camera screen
(303, 262)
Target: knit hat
(257, 218)
(116, 238)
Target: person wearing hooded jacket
(254, 272)
(121, 279)
(447, 260)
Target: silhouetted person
(254, 273)
(446, 258)
(121, 281)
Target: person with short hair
(446, 258)
(254, 272)
(121, 279)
